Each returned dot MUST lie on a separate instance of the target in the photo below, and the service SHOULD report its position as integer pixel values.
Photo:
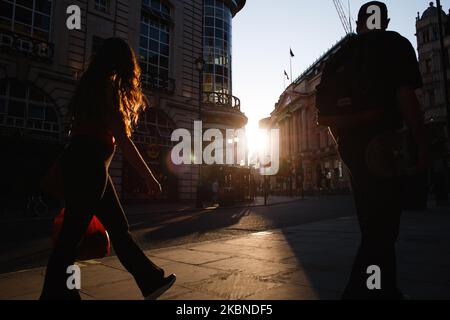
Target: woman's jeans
(89, 190)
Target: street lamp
(200, 65)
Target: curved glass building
(217, 49)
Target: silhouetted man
(379, 97)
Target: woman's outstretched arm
(116, 125)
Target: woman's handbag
(95, 243)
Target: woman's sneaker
(162, 287)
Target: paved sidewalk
(40, 227)
(33, 249)
(311, 261)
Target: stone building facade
(41, 61)
(429, 50)
(308, 153)
(432, 95)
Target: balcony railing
(36, 49)
(158, 83)
(222, 100)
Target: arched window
(26, 108)
(154, 127)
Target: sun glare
(256, 140)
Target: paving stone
(174, 293)
(195, 295)
(36, 295)
(189, 256)
(187, 273)
(252, 242)
(270, 235)
(425, 273)
(234, 286)
(97, 275)
(251, 266)
(26, 297)
(272, 254)
(229, 249)
(21, 283)
(121, 290)
(317, 279)
(323, 260)
(291, 292)
(115, 263)
(418, 290)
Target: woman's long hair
(115, 61)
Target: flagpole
(291, 65)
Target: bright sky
(264, 31)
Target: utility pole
(266, 190)
(200, 64)
(444, 62)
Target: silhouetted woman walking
(105, 107)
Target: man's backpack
(348, 85)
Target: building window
(154, 44)
(426, 36)
(154, 127)
(31, 18)
(428, 66)
(157, 6)
(435, 34)
(217, 47)
(102, 5)
(25, 107)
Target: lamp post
(199, 65)
(302, 178)
(290, 172)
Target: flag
(292, 53)
(285, 73)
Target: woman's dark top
(98, 132)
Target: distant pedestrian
(368, 92)
(319, 179)
(215, 190)
(105, 107)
